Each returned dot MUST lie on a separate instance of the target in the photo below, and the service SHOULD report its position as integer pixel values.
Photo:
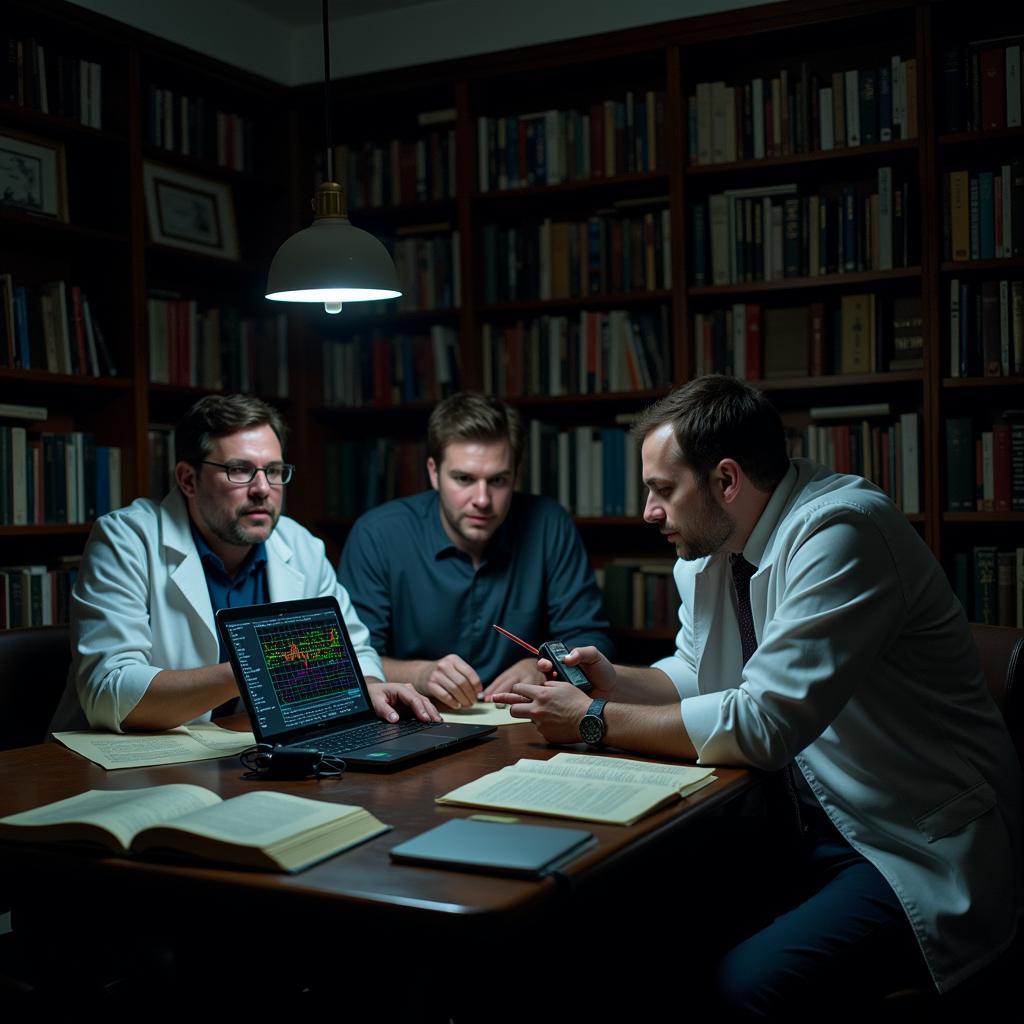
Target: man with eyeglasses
(146, 654)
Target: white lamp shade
(332, 261)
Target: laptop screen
(295, 663)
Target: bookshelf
(852, 163)
(980, 298)
(77, 391)
(765, 237)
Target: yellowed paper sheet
(481, 713)
(141, 750)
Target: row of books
(31, 76)
(986, 328)
(398, 172)
(802, 112)
(990, 585)
(359, 475)
(428, 271)
(985, 467)
(608, 253)
(591, 353)
(550, 147)
(639, 595)
(35, 595)
(56, 477)
(884, 451)
(390, 369)
(983, 213)
(590, 471)
(772, 233)
(981, 85)
(195, 126)
(51, 327)
(160, 444)
(863, 333)
(216, 348)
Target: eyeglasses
(277, 473)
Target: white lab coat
(866, 674)
(141, 604)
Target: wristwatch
(592, 725)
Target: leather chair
(33, 670)
(1002, 660)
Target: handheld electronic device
(555, 652)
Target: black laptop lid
(295, 668)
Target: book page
(141, 750)
(617, 803)
(622, 769)
(261, 818)
(122, 812)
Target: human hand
(387, 698)
(523, 671)
(554, 706)
(596, 667)
(451, 681)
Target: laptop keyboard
(369, 735)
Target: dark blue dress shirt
(247, 586)
(420, 596)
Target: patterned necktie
(781, 786)
(742, 570)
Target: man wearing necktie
(819, 641)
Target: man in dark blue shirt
(430, 574)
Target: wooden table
(357, 892)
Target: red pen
(512, 636)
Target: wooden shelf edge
(45, 529)
(798, 159)
(66, 379)
(852, 279)
(983, 517)
(575, 302)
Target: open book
(262, 829)
(613, 790)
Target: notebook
(467, 844)
(302, 686)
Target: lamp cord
(327, 94)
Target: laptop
(302, 686)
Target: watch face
(591, 729)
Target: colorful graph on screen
(306, 663)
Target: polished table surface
(362, 879)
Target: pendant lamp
(331, 261)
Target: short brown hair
(470, 416)
(217, 416)
(716, 417)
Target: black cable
(264, 761)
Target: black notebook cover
(524, 851)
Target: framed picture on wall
(32, 175)
(189, 212)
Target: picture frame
(188, 212)
(33, 175)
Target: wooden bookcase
(439, 123)
(807, 43)
(103, 129)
